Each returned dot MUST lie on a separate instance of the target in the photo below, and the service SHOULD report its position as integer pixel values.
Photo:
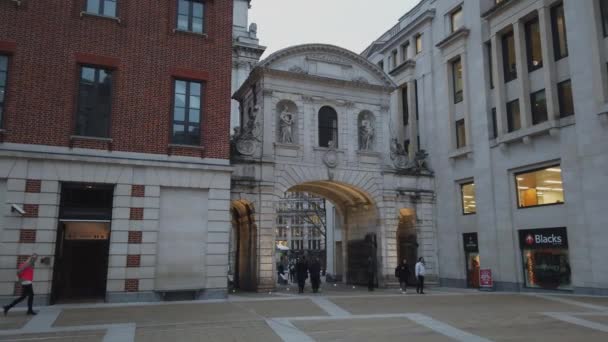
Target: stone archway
(243, 246)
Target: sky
(351, 24)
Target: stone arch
(365, 118)
(243, 246)
(287, 108)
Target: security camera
(16, 208)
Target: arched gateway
(318, 119)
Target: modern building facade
(510, 100)
(115, 145)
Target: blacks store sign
(470, 242)
(543, 238)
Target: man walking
(420, 273)
(26, 277)
(315, 274)
(402, 272)
(301, 273)
(371, 273)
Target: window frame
(555, 34)
(6, 87)
(457, 10)
(493, 117)
(508, 74)
(111, 72)
(509, 114)
(100, 9)
(462, 185)
(395, 58)
(457, 93)
(490, 63)
(529, 44)
(404, 51)
(461, 144)
(332, 129)
(191, 16)
(418, 42)
(186, 123)
(533, 111)
(536, 169)
(560, 99)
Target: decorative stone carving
(366, 135)
(398, 154)
(286, 120)
(246, 139)
(327, 58)
(360, 79)
(330, 158)
(297, 69)
(416, 167)
(253, 30)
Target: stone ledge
(94, 15)
(463, 152)
(459, 34)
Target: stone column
(265, 218)
(396, 113)
(546, 39)
(411, 102)
(525, 108)
(499, 85)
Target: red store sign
(485, 278)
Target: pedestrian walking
(420, 273)
(25, 273)
(292, 271)
(281, 273)
(301, 273)
(315, 274)
(371, 273)
(402, 272)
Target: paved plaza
(336, 314)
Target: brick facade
(133, 260)
(27, 235)
(47, 40)
(136, 214)
(135, 237)
(138, 190)
(131, 285)
(31, 210)
(33, 185)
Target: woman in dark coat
(315, 274)
(301, 273)
(403, 273)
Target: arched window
(328, 127)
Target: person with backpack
(402, 272)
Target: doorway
(82, 244)
(471, 253)
(407, 245)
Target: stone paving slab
(603, 319)
(364, 330)
(602, 301)
(75, 336)
(154, 314)
(14, 320)
(286, 308)
(212, 332)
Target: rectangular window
(538, 101)
(190, 14)
(461, 138)
(101, 7)
(490, 64)
(456, 19)
(418, 43)
(405, 104)
(564, 94)
(467, 191)
(540, 187)
(187, 113)
(457, 80)
(406, 145)
(513, 116)
(533, 48)
(560, 40)
(395, 60)
(604, 13)
(3, 82)
(494, 124)
(508, 56)
(94, 102)
(404, 51)
(381, 65)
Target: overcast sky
(352, 24)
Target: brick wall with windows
(145, 53)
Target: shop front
(471, 253)
(545, 256)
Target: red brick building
(114, 139)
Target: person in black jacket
(371, 273)
(402, 272)
(301, 273)
(315, 274)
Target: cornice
(459, 34)
(307, 77)
(498, 8)
(409, 64)
(420, 20)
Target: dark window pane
(3, 63)
(405, 104)
(560, 41)
(2, 78)
(183, 7)
(461, 140)
(194, 115)
(197, 25)
(494, 123)
(93, 6)
(195, 102)
(180, 100)
(1, 95)
(195, 88)
(513, 116)
(457, 80)
(604, 12)
(182, 22)
(328, 127)
(94, 102)
(179, 114)
(109, 8)
(533, 47)
(490, 64)
(566, 105)
(180, 87)
(186, 128)
(539, 107)
(197, 9)
(508, 56)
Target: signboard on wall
(485, 278)
(470, 242)
(543, 238)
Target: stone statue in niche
(286, 119)
(366, 135)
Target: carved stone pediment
(328, 58)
